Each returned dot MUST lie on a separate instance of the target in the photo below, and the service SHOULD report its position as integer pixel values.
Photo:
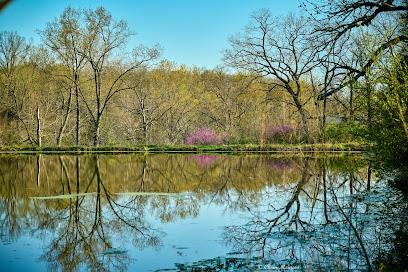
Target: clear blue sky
(191, 32)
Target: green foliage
(298, 148)
(390, 131)
(346, 132)
(391, 142)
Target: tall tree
(64, 37)
(280, 51)
(13, 57)
(104, 36)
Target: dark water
(198, 213)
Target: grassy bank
(339, 147)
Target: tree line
(338, 73)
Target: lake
(198, 212)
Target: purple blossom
(205, 160)
(204, 136)
(279, 164)
(278, 131)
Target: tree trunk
(324, 119)
(64, 121)
(145, 124)
(262, 130)
(305, 123)
(78, 185)
(325, 212)
(38, 170)
(77, 135)
(38, 127)
(144, 174)
(369, 109)
(145, 134)
(96, 136)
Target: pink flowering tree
(204, 136)
(278, 133)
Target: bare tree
(335, 20)
(278, 50)
(13, 56)
(103, 37)
(64, 38)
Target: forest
(334, 73)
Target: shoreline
(191, 149)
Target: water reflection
(205, 160)
(77, 207)
(326, 220)
(295, 212)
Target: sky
(190, 32)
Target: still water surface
(196, 212)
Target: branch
(365, 69)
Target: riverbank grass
(256, 148)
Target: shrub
(204, 136)
(345, 132)
(279, 133)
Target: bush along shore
(256, 148)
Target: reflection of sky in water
(22, 254)
(189, 240)
(190, 218)
(185, 241)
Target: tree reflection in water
(84, 226)
(205, 160)
(300, 212)
(334, 223)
